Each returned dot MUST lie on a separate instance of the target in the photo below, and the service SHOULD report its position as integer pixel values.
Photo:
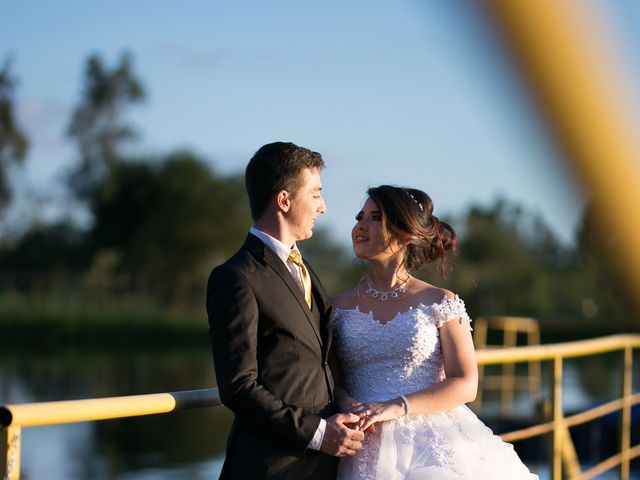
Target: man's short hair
(275, 167)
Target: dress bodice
(384, 360)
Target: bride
(406, 356)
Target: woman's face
(370, 238)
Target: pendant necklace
(384, 296)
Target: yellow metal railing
(15, 417)
(559, 424)
(507, 382)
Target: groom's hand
(339, 439)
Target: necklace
(384, 296)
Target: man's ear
(283, 200)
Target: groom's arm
(233, 321)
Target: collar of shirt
(280, 249)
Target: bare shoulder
(448, 294)
(429, 294)
(346, 300)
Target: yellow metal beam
(566, 62)
(625, 418)
(578, 348)
(51, 413)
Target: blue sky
(408, 92)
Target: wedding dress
(382, 361)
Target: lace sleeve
(450, 308)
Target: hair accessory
(419, 204)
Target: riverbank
(48, 329)
(47, 322)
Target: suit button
(324, 364)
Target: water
(187, 444)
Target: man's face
(306, 205)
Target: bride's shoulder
(428, 294)
(445, 305)
(346, 300)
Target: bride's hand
(358, 409)
(371, 413)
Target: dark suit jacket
(270, 355)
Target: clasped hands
(344, 432)
(371, 413)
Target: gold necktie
(296, 258)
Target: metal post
(480, 340)
(10, 453)
(508, 371)
(625, 418)
(534, 367)
(556, 464)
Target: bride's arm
(459, 387)
(461, 371)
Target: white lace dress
(402, 356)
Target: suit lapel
(275, 263)
(324, 308)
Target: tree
(610, 298)
(47, 248)
(169, 220)
(13, 142)
(98, 125)
(508, 263)
(334, 263)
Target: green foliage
(336, 266)
(98, 124)
(503, 267)
(47, 247)
(168, 222)
(168, 217)
(13, 141)
(606, 293)
(160, 225)
(510, 263)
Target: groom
(270, 328)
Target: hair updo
(407, 214)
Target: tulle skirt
(454, 445)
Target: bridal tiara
(419, 204)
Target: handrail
(578, 348)
(71, 411)
(14, 417)
(507, 382)
(571, 421)
(562, 446)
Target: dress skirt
(454, 445)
